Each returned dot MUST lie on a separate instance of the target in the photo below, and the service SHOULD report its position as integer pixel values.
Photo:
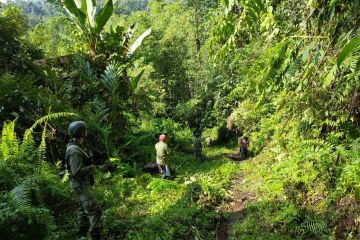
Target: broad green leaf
(352, 46)
(138, 42)
(135, 81)
(71, 7)
(103, 16)
(333, 2)
(81, 5)
(329, 77)
(91, 9)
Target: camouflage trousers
(89, 212)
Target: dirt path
(235, 209)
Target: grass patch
(147, 207)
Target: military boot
(82, 232)
(95, 236)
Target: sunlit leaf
(104, 15)
(138, 42)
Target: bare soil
(235, 209)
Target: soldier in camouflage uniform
(81, 174)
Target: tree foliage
(284, 73)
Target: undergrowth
(147, 207)
(298, 197)
(37, 204)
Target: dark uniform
(197, 147)
(81, 170)
(244, 144)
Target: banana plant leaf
(138, 42)
(75, 10)
(85, 11)
(81, 5)
(103, 16)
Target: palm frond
(111, 77)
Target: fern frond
(352, 47)
(354, 62)
(28, 147)
(43, 216)
(9, 145)
(25, 198)
(8, 176)
(42, 148)
(52, 116)
(315, 227)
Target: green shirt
(162, 153)
(76, 157)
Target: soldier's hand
(92, 168)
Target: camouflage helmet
(77, 129)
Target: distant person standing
(162, 156)
(244, 144)
(197, 146)
(208, 141)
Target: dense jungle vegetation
(285, 73)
